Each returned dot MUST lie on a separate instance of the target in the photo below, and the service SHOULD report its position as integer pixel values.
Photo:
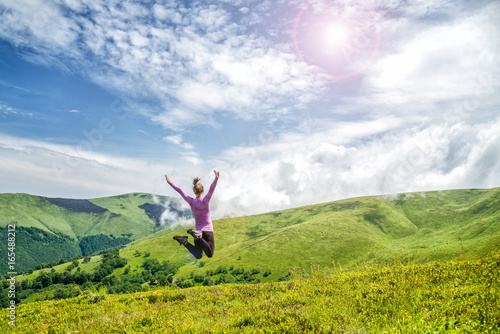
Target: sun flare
(335, 34)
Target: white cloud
(291, 170)
(177, 140)
(300, 169)
(40, 22)
(5, 109)
(418, 100)
(44, 172)
(171, 218)
(8, 110)
(191, 157)
(443, 62)
(203, 65)
(47, 169)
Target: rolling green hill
(429, 225)
(382, 229)
(383, 276)
(51, 229)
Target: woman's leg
(196, 250)
(207, 243)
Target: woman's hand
(166, 178)
(216, 174)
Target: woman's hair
(197, 187)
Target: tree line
(71, 282)
(38, 249)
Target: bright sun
(334, 35)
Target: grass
(411, 263)
(34, 211)
(132, 219)
(457, 296)
(431, 225)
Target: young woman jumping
(203, 233)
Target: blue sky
(295, 102)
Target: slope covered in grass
(81, 226)
(76, 218)
(429, 225)
(459, 296)
(414, 227)
(419, 226)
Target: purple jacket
(200, 207)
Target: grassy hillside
(82, 226)
(379, 253)
(77, 218)
(456, 296)
(430, 225)
(409, 227)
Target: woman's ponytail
(197, 187)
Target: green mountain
(436, 225)
(371, 261)
(51, 229)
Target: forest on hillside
(35, 246)
(71, 282)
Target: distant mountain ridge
(76, 205)
(51, 229)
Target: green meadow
(418, 226)
(417, 262)
(53, 229)
(456, 296)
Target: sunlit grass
(459, 296)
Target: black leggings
(205, 244)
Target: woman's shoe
(196, 234)
(181, 239)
